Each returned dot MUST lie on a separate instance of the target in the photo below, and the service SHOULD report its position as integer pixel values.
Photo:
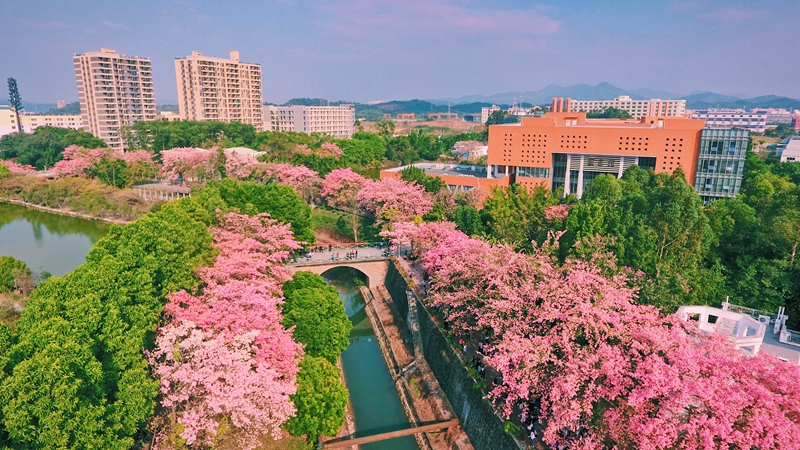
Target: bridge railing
(347, 246)
(303, 261)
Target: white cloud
(116, 25)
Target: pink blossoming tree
(303, 180)
(393, 200)
(190, 163)
(574, 349)
(15, 167)
(340, 189)
(225, 353)
(239, 166)
(329, 150)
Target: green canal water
(58, 244)
(376, 407)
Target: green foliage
(468, 219)
(9, 268)
(320, 322)
(415, 174)
(3, 170)
(608, 113)
(281, 202)
(781, 131)
(321, 400)
(515, 215)
(77, 377)
(158, 135)
(500, 117)
(43, 148)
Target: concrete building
(61, 103)
(636, 108)
(776, 116)
(567, 150)
(789, 149)
(457, 177)
(487, 111)
(748, 329)
(336, 121)
(219, 89)
(30, 122)
(726, 118)
(720, 163)
(114, 91)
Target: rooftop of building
(579, 120)
(453, 170)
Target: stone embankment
(64, 212)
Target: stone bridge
(374, 267)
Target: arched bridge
(369, 260)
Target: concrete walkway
(342, 252)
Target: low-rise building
(336, 121)
(748, 329)
(726, 118)
(789, 149)
(655, 107)
(457, 177)
(487, 111)
(470, 149)
(776, 116)
(30, 122)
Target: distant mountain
(33, 107)
(602, 91)
(709, 97)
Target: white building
(776, 116)
(636, 108)
(30, 122)
(219, 89)
(789, 149)
(114, 91)
(336, 121)
(726, 118)
(487, 111)
(748, 329)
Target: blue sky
(401, 49)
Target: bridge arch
(375, 271)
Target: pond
(55, 243)
(376, 406)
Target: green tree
(431, 184)
(320, 321)
(468, 220)
(608, 113)
(8, 267)
(321, 400)
(515, 215)
(15, 100)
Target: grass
(339, 221)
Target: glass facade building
(720, 163)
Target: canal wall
(477, 416)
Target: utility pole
(15, 100)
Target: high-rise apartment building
(336, 121)
(720, 163)
(114, 91)
(219, 89)
(636, 108)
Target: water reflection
(56, 243)
(372, 394)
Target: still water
(56, 243)
(376, 407)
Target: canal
(58, 244)
(376, 407)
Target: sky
(361, 50)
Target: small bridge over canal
(370, 259)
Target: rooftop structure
(336, 121)
(114, 91)
(726, 118)
(749, 330)
(636, 108)
(789, 149)
(457, 177)
(219, 89)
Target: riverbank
(65, 212)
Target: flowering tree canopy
(303, 180)
(189, 163)
(329, 149)
(341, 186)
(79, 161)
(225, 353)
(15, 167)
(394, 200)
(574, 349)
(239, 165)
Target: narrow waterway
(376, 407)
(58, 244)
